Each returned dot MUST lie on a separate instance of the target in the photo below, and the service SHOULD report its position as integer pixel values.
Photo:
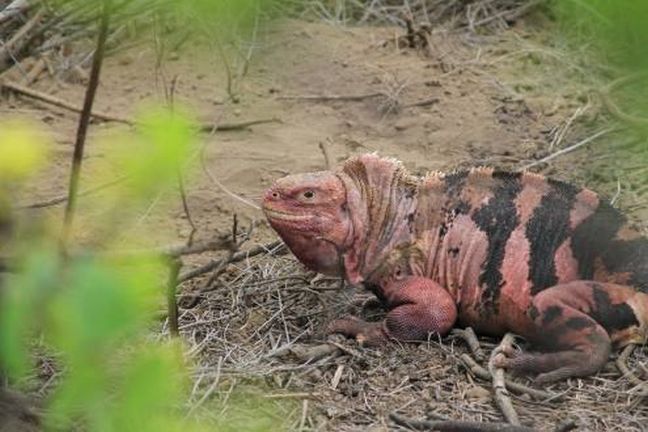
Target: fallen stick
(468, 335)
(224, 127)
(172, 303)
(53, 100)
(299, 395)
(456, 425)
(502, 397)
(84, 123)
(422, 103)
(481, 372)
(63, 198)
(331, 97)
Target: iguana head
(310, 213)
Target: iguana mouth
(274, 214)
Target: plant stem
(84, 121)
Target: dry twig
(456, 425)
(324, 98)
(63, 198)
(84, 121)
(468, 335)
(499, 386)
(53, 100)
(172, 303)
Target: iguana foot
(555, 366)
(575, 324)
(419, 307)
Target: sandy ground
(467, 100)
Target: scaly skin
(492, 250)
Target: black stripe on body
(497, 219)
(629, 256)
(454, 183)
(547, 229)
(551, 314)
(595, 238)
(578, 323)
(611, 316)
(592, 236)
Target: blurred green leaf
(152, 156)
(152, 382)
(22, 306)
(617, 28)
(99, 306)
(22, 150)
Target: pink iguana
(493, 250)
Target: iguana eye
(309, 194)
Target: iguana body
(492, 250)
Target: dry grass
(265, 317)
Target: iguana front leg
(417, 306)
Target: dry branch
(84, 120)
(499, 386)
(422, 103)
(224, 127)
(172, 303)
(53, 100)
(468, 335)
(325, 98)
(63, 198)
(61, 103)
(456, 425)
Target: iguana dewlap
(492, 250)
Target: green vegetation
(93, 316)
